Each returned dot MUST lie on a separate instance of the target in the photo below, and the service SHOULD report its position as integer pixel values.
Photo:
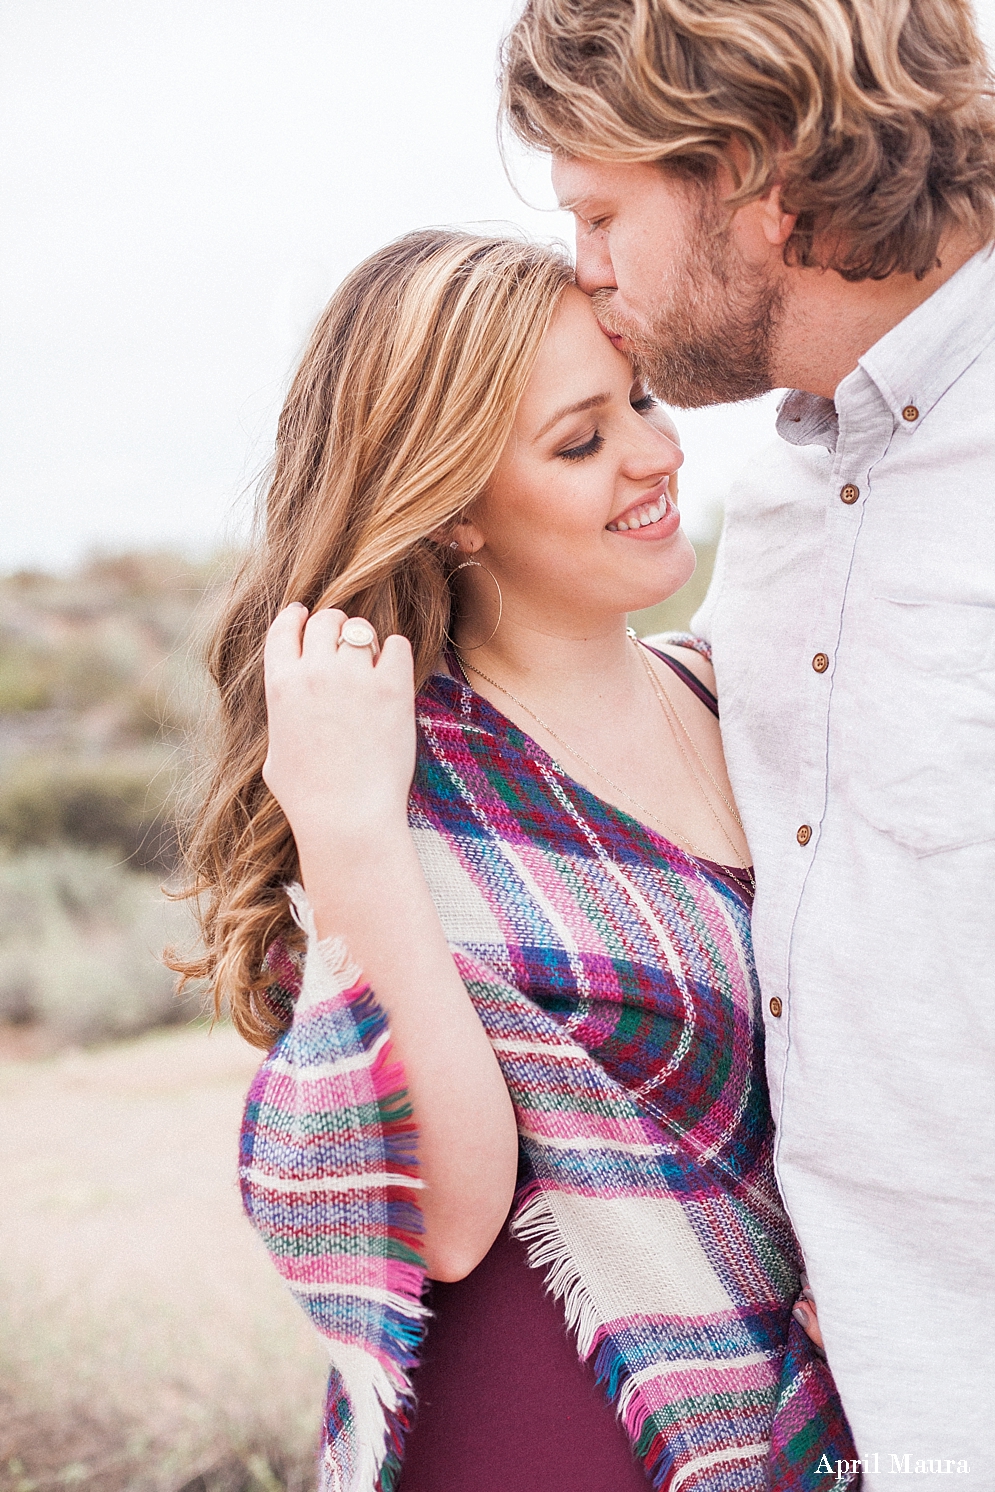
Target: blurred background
(183, 184)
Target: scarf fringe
(333, 971)
(370, 1403)
(388, 1408)
(367, 1416)
(535, 1225)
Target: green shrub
(119, 803)
(80, 944)
(26, 677)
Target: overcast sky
(182, 185)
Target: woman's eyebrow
(592, 403)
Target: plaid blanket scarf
(614, 977)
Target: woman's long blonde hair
(401, 406)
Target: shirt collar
(914, 364)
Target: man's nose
(594, 262)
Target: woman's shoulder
(694, 652)
(442, 697)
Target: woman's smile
(655, 517)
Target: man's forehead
(578, 183)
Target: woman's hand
(341, 730)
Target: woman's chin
(661, 586)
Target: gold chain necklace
(642, 810)
(670, 714)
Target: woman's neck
(566, 666)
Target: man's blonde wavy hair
(876, 116)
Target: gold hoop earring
(472, 564)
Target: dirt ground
(145, 1339)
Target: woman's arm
(340, 760)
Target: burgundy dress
(504, 1404)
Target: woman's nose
(656, 455)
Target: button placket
(866, 430)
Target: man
(801, 194)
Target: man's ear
(764, 213)
(776, 224)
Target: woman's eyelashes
(591, 447)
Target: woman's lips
(640, 523)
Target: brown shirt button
(910, 413)
(804, 834)
(774, 1005)
(849, 493)
(820, 662)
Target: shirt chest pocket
(922, 740)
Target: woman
(527, 985)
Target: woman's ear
(463, 536)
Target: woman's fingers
(341, 725)
(285, 636)
(321, 635)
(321, 638)
(396, 662)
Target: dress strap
(691, 680)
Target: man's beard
(714, 344)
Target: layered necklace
(681, 735)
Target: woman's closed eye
(643, 405)
(590, 447)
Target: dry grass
(145, 1340)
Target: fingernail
(299, 604)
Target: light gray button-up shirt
(852, 619)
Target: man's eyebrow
(577, 206)
(593, 402)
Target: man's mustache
(604, 309)
(638, 351)
(602, 301)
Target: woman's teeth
(640, 517)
